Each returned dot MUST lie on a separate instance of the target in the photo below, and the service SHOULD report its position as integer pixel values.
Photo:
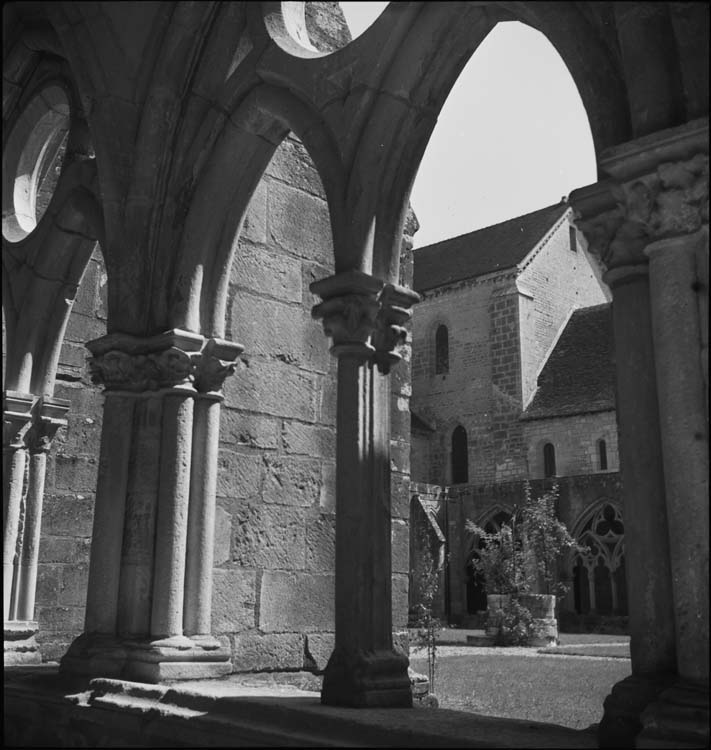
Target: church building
(513, 381)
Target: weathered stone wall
(576, 443)
(464, 394)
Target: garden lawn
(523, 684)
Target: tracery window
(599, 574)
(549, 460)
(441, 350)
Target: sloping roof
(579, 376)
(489, 249)
(417, 423)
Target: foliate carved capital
(348, 311)
(128, 363)
(50, 417)
(659, 189)
(395, 303)
(218, 361)
(16, 419)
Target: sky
(512, 137)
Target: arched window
(599, 572)
(460, 456)
(602, 454)
(548, 460)
(441, 350)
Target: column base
(153, 661)
(621, 721)
(19, 645)
(678, 718)
(367, 679)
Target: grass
(509, 683)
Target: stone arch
(42, 270)
(252, 135)
(421, 72)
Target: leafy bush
(522, 558)
(500, 560)
(517, 628)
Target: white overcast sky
(512, 137)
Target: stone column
(137, 599)
(652, 644)
(49, 419)
(364, 669)
(19, 644)
(658, 191)
(681, 714)
(218, 361)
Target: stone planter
(542, 607)
(495, 604)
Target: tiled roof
(489, 249)
(579, 376)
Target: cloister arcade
(171, 116)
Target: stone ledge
(225, 713)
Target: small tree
(545, 539)
(500, 559)
(425, 580)
(524, 558)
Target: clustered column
(149, 594)
(649, 224)
(364, 318)
(29, 425)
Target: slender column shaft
(649, 588)
(137, 553)
(379, 500)
(109, 515)
(359, 575)
(15, 461)
(172, 521)
(677, 338)
(201, 516)
(27, 569)
(364, 669)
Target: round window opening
(32, 162)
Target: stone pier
(150, 576)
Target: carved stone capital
(128, 363)
(16, 419)
(395, 303)
(348, 311)
(659, 188)
(50, 417)
(217, 362)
